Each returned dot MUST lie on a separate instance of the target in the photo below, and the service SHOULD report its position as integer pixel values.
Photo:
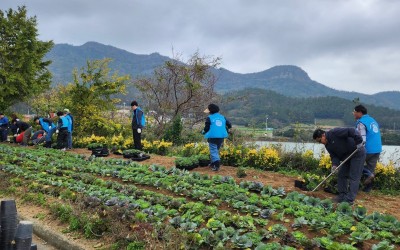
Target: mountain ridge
(289, 80)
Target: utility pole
(266, 122)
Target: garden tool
(334, 171)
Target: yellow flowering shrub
(265, 158)
(117, 140)
(308, 154)
(128, 143)
(146, 145)
(84, 141)
(202, 149)
(188, 149)
(157, 147)
(231, 155)
(325, 161)
(387, 170)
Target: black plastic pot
(7, 207)
(8, 221)
(140, 157)
(24, 230)
(204, 163)
(101, 152)
(300, 184)
(23, 244)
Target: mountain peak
(287, 72)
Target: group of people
(350, 149)
(23, 132)
(215, 130)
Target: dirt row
(373, 201)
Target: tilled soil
(373, 201)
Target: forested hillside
(288, 80)
(251, 106)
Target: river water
(389, 153)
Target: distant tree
(23, 73)
(92, 95)
(51, 100)
(179, 89)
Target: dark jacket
(136, 118)
(22, 126)
(341, 142)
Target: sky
(351, 45)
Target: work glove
(334, 168)
(57, 131)
(139, 130)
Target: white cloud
(348, 45)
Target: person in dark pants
(62, 131)
(23, 127)
(70, 128)
(340, 144)
(38, 137)
(215, 131)
(369, 130)
(137, 125)
(4, 123)
(48, 126)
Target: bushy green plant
(241, 172)
(95, 145)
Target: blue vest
(45, 125)
(4, 122)
(65, 122)
(69, 123)
(373, 143)
(217, 127)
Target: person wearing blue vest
(369, 130)
(340, 144)
(48, 126)
(62, 131)
(138, 122)
(70, 127)
(215, 131)
(3, 127)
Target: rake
(334, 171)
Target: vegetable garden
(139, 206)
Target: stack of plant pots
(23, 236)
(8, 221)
(14, 235)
